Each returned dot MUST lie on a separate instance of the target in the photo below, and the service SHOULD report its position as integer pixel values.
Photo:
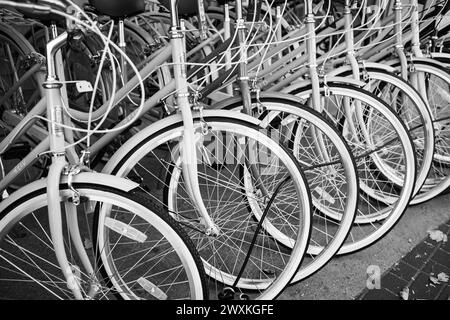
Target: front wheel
(243, 256)
(374, 133)
(138, 252)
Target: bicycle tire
(27, 208)
(374, 218)
(255, 282)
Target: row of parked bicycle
(187, 149)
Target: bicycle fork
(315, 99)
(188, 150)
(55, 114)
(243, 80)
(358, 123)
(417, 78)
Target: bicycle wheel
(434, 86)
(242, 256)
(372, 131)
(328, 166)
(415, 114)
(142, 251)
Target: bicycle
(79, 191)
(291, 167)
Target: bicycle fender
(437, 55)
(431, 62)
(342, 80)
(81, 178)
(265, 94)
(166, 122)
(374, 66)
(423, 61)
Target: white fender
(438, 55)
(373, 65)
(427, 61)
(83, 177)
(267, 94)
(343, 80)
(161, 124)
(433, 62)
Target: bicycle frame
(157, 58)
(161, 56)
(56, 141)
(188, 146)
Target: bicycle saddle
(117, 9)
(185, 7)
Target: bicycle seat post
(123, 46)
(123, 62)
